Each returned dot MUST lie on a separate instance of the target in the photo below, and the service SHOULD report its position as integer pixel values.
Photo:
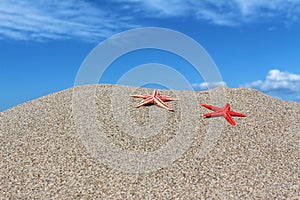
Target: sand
(90, 142)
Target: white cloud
(207, 85)
(55, 19)
(277, 82)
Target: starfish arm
(232, 113)
(230, 119)
(210, 107)
(168, 98)
(162, 104)
(144, 96)
(226, 107)
(145, 102)
(214, 114)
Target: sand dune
(91, 142)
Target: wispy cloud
(92, 21)
(207, 85)
(278, 83)
(44, 20)
(220, 12)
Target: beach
(58, 146)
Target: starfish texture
(225, 112)
(155, 98)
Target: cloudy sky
(253, 43)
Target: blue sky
(43, 43)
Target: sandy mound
(91, 142)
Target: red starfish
(225, 112)
(155, 98)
